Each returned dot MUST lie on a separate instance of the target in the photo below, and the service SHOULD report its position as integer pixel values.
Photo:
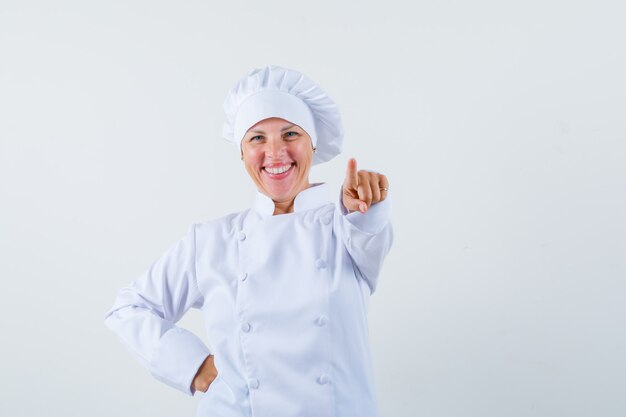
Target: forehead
(271, 123)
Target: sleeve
(145, 312)
(367, 237)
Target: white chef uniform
(285, 301)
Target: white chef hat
(274, 91)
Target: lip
(278, 176)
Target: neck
(283, 207)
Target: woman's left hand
(363, 188)
(205, 376)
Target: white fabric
(274, 91)
(285, 300)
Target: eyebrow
(282, 130)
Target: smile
(278, 171)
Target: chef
(283, 285)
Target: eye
(292, 134)
(256, 138)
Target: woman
(284, 285)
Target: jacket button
(326, 220)
(254, 383)
(246, 327)
(321, 320)
(241, 236)
(323, 379)
(320, 264)
(243, 276)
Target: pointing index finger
(352, 178)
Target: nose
(275, 148)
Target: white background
(500, 126)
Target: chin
(278, 191)
(280, 195)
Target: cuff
(179, 356)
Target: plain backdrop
(501, 126)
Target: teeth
(278, 170)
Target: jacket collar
(314, 196)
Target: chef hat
(280, 92)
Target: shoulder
(221, 226)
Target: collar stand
(314, 196)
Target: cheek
(253, 156)
(307, 158)
(252, 167)
(302, 153)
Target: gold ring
(384, 189)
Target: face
(278, 156)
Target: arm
(366, 221)
(145, 312)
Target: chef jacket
(285, 301)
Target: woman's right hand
(205, 375)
